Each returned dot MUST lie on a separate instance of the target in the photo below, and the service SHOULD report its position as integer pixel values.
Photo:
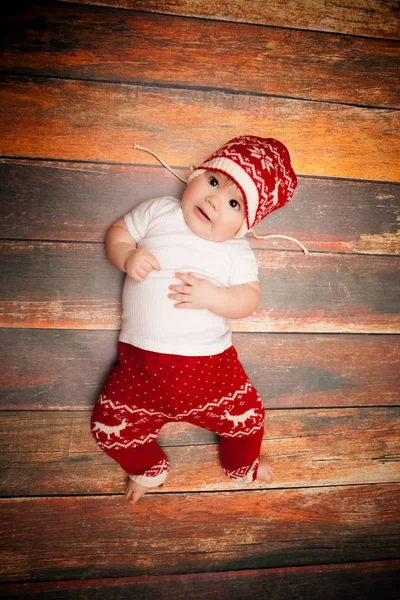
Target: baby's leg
(230, 406)
(240, 446)
(239, 468)
(131, 443)
(126, 427)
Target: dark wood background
(80, 84)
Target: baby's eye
(235, 204)
(214, 181)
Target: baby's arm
(122, 253)
(234, 302)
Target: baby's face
(213, 206)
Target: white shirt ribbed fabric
(149, 319)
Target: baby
(190, 269)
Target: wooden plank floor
(81, 82)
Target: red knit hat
(261, 169)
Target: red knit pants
(146, 389)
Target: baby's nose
(213, 201)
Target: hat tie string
(164, 164)
(258, 237)
(283, 237)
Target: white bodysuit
(149, 319)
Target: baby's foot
(265, 470)
(134, 491)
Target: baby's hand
(196, 293)
(139, 263)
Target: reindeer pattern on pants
(146, 390)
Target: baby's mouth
(203, 213)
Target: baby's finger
(153, 262)
(140, 274)
(183, 289)
(183, 305)
(146, 266)
(186, 277)
(178, 297)
(136, 277)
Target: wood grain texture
(73, 286)
(89, 537)
(53, 453)
(90, 43)
(79, 201)
(45, 369)
(81, 84)
(97, 121)
(357, 581)
(377, 18)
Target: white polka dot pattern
(146, 390)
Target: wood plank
(79, 201)
(45, 369)
(124, 46)
(89, 537)
(73, 286)
(53, 453)
(351, 581)
(97, 121)
(375, 18)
